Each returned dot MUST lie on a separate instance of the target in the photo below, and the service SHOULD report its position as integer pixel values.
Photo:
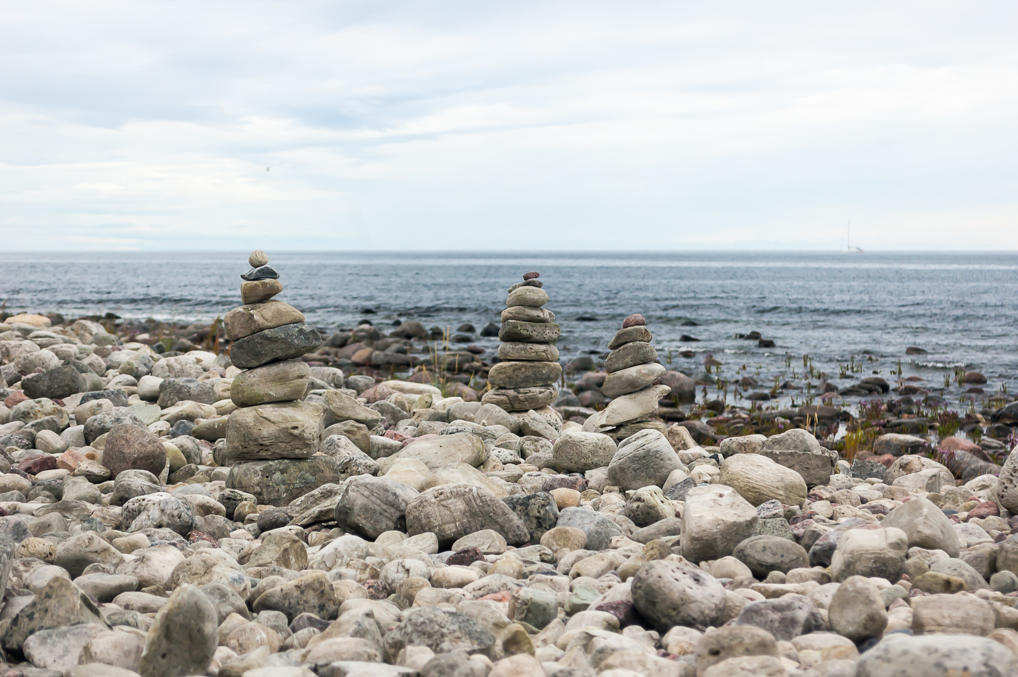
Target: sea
(843, 316)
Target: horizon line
(737, 250)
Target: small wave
(940, 365)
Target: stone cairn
(633, 369)
(273, 433)
(528, 367)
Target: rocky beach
(266, 496)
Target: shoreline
(382, 513)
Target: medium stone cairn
(633, 370)
(528, 367)
(273, 433)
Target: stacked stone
(528, 368)
(273, 433)
(633, 370)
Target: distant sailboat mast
(848, 240)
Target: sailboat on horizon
(848, 240)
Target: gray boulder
(643, 459)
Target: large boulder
(925, 525)
(857, 610)
(57, 383)
(159, 510)
(277, 382)
(1007, 486)
(440, 450)
(799, 450)
(669, 593)
(133, 447)
(183, 636)
(643, 459)
(627, 408)
(453, 511)
(270, 345)
(440, 631)
(937, 656)
(281, 481)
(716, 519)
(271, 431)
(373, 505)
(870, 552)
(580, 451)
(759, 479)
(253, 318)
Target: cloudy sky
(524, 125)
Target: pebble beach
(261, 496)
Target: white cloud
(547, 125)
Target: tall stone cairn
(633, 371)
(528, 370)
(273, 434)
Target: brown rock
(259, 290)
(634, 320)
(130, 446)
(248, 319)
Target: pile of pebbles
(272, 430)
(439, 536)
(633, 381)
(528, 367)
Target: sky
(519, 126)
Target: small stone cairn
(272, 434)
(633, 369)
(528, 369)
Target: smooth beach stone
(341, 407)
(527, 352)
(524, 374)
(260, 273)
(370, 506)
(677, 593)
(281, 481)
(715, 520)
(870, 552)
(856, 610)
(259, 291)
(764, 554)
(937, 656)
(249, 319)
(631, 379)
(453, 511)
(630, 335)
(633, 407)
(277, 382)
(643, 459)
(270, 345)
(529, 332)
(925, 525)
(286, 430)
(580, 451)
(528, 314)
(257, 258)
(759, 479)
(183, 637)
(520, 399)
(634, 320)
(58, 382)
(133, 447)
(630, 355)
(532, 275)
(443, 632)
(531, 297)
